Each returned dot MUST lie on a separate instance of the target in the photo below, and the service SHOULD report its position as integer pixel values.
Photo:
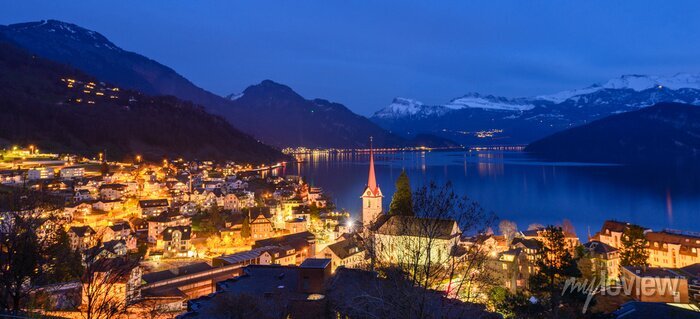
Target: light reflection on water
(517, 187)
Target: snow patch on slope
(475, 100)
(234, 96)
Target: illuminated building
(372, 196)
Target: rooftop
(175, 272)
(655, 272)
(653, 310)
(316, 263)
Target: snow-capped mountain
(633, 82)
(476, 100)
(405, 108)
(520, 120)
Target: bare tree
(535, 226)
(426, 249)
(508, 229)
(27, 231)
(106, 285)
(568, 227)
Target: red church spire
(372, 180)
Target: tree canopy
(402, 201)
(633, 251)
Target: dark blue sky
(364, 53)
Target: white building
(71, 172)
(40, 173)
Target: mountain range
(271, 112)
(666, 134)
(486, 119)
(276, 115)
(59, 108)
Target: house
(81, 237)
(237, 184)
(344, 253)
(397, 237)
(124, 278)
(570, 239)
(304, 244)
(297, 225)
(611, 232)
(175, 241)
(289, 205)
(108, 249)
(76, 211)
(650, 284)
(82, 195)
(120, 231)
(112, 191)
(212, 198)
(531, 248)
(315, 197)
(673, 249)
(152, 207)
(281, 255)
(234, 226)
(246, 198)
(189, 209)
(231, 202)
(106, 205)
(512, 269)
(244, 258)
(493, 244)
(605, 260)
(261, 226)
(71, 172)
(158, 224)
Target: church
(372, 196)
(398, 238)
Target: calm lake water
(519, 188)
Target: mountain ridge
(666, 134)
(57, 107)
(254, 114)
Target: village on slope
(186, 238)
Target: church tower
(372, 196)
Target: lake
(519, 188)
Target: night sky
(364, 53)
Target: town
(186, 238)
